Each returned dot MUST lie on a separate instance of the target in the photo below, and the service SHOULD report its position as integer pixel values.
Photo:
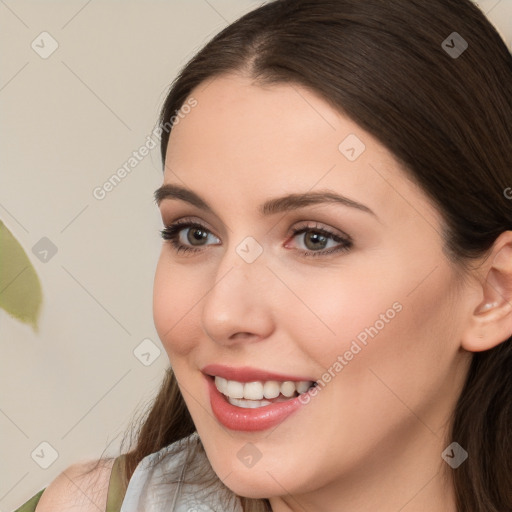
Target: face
(355, 294)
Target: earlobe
(491, 321)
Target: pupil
(198, 235)
(315, 238)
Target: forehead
(233, 114)
(259, 141)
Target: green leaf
(20, 289)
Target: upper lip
(248, 374)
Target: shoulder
(82, 487)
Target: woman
(334, 290)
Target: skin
(372, 438)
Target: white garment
(164, 482)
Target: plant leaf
(20, 288)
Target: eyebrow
(272, 206)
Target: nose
(237, 306)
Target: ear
(491, 320)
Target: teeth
(222, 385)
(248, 404)
(288, 388)
(256, 391)
(253, 390)
(271, 389)
(235, 389)
(303, 386)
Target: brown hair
(448, 121)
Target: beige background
(68, 122)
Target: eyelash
(171, 233)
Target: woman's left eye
(188, 237)
(319, 238)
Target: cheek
(333, 308)
(408, 350)
(175, 307)
(374, 319)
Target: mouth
(248, 399)
(255, 394)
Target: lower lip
(249, 420)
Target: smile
(250, 395)
(252, 399)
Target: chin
(251, 489)
(255, 483)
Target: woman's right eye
(196, 233)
